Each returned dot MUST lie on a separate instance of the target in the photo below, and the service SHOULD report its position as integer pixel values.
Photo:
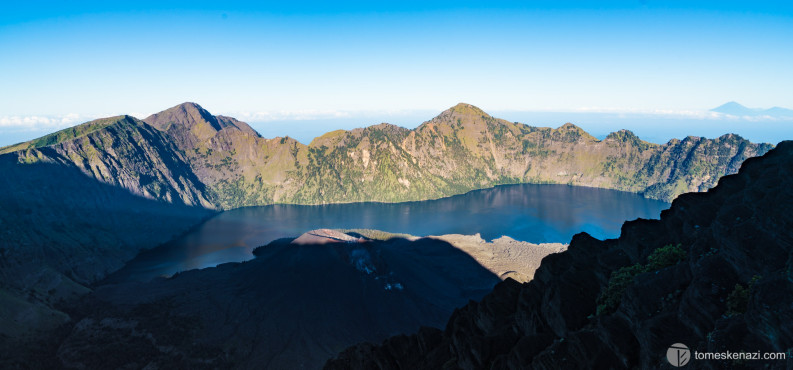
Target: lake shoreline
(533, 213)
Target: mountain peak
(190, 104)
(627, 136)
(735, 109)
(189, 108)
(187, 115)
(779, 112)
(467, 109)
(731, 104)
(571, 133)
(569, 127)
(185, 105)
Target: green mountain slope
(715, 272)
(125, 152)
(80, 208)
(79, 203)
(63, 135)
(220, 162)
(461, 149)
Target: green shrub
(618, 282)
(738, 299)
(662, 257)
(665, 256)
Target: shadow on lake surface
(526, 212)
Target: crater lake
(526, 212)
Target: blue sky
(262, 62)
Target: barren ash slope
(714, 273)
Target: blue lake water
(532, 213)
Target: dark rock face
(293, 306)
(737, 237)
(77, 209)
(129, 154)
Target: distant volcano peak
(736, 109)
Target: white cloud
(671, 113)
(20, 123)
(299, 115)
(396, 116)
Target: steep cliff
(79, 204)
(239, 167)
(714, 273)
(120, 151)
(461, 149)
(464, 149)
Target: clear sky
(69, 60)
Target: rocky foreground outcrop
(294, 306)
(714, 273)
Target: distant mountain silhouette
(735, 109)
(778, 111)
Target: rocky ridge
(80, 203)
(187, 155)
(461, 149)
(714, 273)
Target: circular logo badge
(678, 354)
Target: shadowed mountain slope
(80, 207)
(124, 152)
(713, 273)
(60, 237)
(292, 307)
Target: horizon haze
(417, 185)
(755, 124)
(309, 67)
